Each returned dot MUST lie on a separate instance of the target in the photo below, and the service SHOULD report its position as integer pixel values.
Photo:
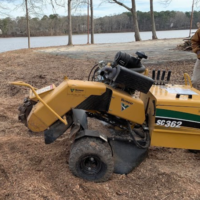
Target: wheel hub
(91, 165)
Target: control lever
(169, 76)
(158, 77)
(153, 74)
(163, 78)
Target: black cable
(147, 141)
(138, 133)
(91, 71)
(96, 70)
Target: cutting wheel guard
(21, 83)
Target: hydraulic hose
(147, 141)
(91, 71)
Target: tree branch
(166, 2)
(120, 3)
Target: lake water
(8, 44)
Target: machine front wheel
(91, 159)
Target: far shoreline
(147, 42)
(35, 36)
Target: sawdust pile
(29, 169)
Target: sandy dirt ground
(158, 51)
(29, 169)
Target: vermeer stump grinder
(139, 112)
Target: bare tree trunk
(69, 23)
(92, 22)
(28, 27)
(134, 13)
(191, 18)
(135, 21)
(154, 36)
(88, 21)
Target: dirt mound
(29, 169)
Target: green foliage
(129, 14)
(56, 25)
(54, 16)
(4, 25)
(188, 14)
(45, 17)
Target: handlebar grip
(158, 75)
(153, 74)
(169, 75)
(163, 76)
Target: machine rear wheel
(91, 159)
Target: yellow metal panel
(41, 92)
(176, 110)
(86, 88)
(36, 124)
(163, 97)
(70, 93)
(174, 139)
(135, 107)
(62, 99)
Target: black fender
(91, 133)
(77, 119)
(127, 156)
(79, 122)
(57, 129)
(80, 117)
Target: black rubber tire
(83, 151)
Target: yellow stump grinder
(140, 111)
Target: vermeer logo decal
(128, 102)
(76, 90)
(124, 106)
